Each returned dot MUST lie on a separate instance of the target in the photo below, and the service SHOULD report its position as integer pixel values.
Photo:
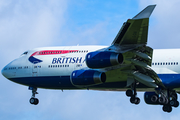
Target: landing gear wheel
(166, 101)
(34, 101)
(172, 102)
(129, 93)
(154, 98)
(176, 104)
(137, 101)
(167, 108)
(162, 100)
(132, 100)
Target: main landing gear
(166, 98)
(133, 94)
(33, 100)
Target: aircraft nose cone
(3, 72)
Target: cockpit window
(25, 53)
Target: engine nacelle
(103, 59)
(151, 98)
(87, 77)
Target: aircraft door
(35, 70)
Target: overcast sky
(27, 24)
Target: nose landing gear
(33, 100)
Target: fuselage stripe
(53, 52)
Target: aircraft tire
(129, 93)
(172, 102)
(166, 101)
(176, 104)
(154, 98)
(167, 108)
(137, 101)
(162, 100)
(132, 100)
(34, 101)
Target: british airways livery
(128, 64)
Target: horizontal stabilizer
(145, 13)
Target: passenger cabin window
(166, 63)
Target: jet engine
(103, 59)
(87, 77)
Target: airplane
(128, 64)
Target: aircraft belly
(63, 82)
(49, 82)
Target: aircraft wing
(135, 30)
(131, 43)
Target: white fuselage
(54, 65)
(166, 61)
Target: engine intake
(87, 77)
(103, 59)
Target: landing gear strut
(33, 100)
(133, 94)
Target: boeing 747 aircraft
(128, 64)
